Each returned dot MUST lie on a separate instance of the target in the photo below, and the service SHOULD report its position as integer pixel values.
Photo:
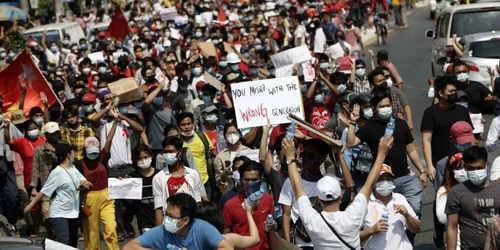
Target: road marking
(373, 40)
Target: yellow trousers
(102, 209)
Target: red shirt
(25, 148)
(318, 116)
(281, 130)
(95, 172)
(174, 183)
(127, 72)
(235, 218)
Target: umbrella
(10, 13)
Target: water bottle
(389, 130)
(385, 215)
(269, 221)
(254, 198)
(290, 131)
(173, 247)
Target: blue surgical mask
(54, 49)
(196, 71)
(303, 88)
(341, 88)
(360, 72)
(460, 175)
(251, 187)
(465, 104)
(254, 71)
(477, 177)
(102, 70)
(210, 71)
(65, 42)
(38, 121)
(235, 67)
(463, 147)
(207, 99)
(223, 64)
(158, 101)
(384, 188)
(92, 156)
(324, 65)
(123, 109)
(319, 98)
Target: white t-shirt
(346, 223)
(300, 33)
(441, 197)
(319, 41)
(66, 202)
(287, 198)
(121, 152)
(395, 237)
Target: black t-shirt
(439, 120)
(145, 214)
(476, 92)
(371, 133)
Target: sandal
(121, 238)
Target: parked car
(56, 31)
(461, 20)
(480, 51)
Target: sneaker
(438, 240)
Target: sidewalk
(369, 36)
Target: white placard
(168, 14)
(273, 99)
(252, 154)
(96, 57)
(291, 57)
(175, 34)
(161, 77)
(117, 55)
(54, 245)
(207, 17)
(128, 188)
(284, 71)
(308, 71)
(477, 122)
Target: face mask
(210, 71)
(102, 90)
(251, 187)
(33, 134)
(88, 108)
(246, 54)
(384, 113)
(167, 34)
(324, 65)
(368, 113)
(212, 118)
(123, 110)
(196, 71)
(198, 34)
(384, 188)
(461, 175)
(223, 64)
(303, 88)
(232, 138)
(463, 147)
(320, 98)
(54, 49)
(38, 121)
(258, 47)
(452, 98)
(3, 55)
(11, 55)
(465, 104)
(254, 71)
(463, 77)
(51, 68)
(360, 72)
(145, 163)
(65, 42)
(158, 101)
(389, 82)
(170, 158)
(236, 177)
(341, 88)
(311, 171)
(86, 71)
(235, 67)
(92, 156)
(84, 47)
(171, 224)
(102, 70)
(187, 134)
(207, 99)
(382, 86)
(477, 177)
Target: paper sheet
(129, 188)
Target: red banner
(23, 67)
(119, 27)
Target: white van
(461, 20)
(56, 31)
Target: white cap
(232, 58)
(91, 145)
(328, 188)
(51, 127)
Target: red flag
(222, 14)
(119, 27)
(23, 67)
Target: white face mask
(463, 77)
(236, 177)
(170, 158)
(384, 113)
(144, 163)
(461, 175)
(232, 138)
(384, 188)
(477, 177)
(33, 134)
(389, 82)
(170, 224)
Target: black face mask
(317, 24)
(382, 86)
(151, 79)
(452, 98)
(53, 138)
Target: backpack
(300, 229)
(363, 162)
(215, 195)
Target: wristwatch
(288, 162)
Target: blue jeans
(66, 230)
(9, 194)
(411, 188)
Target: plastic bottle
(389, 130)
(385, 215)
(269, 221)
(173, 247)
(290, 131)
(254, 198)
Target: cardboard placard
(126, 89)
(213, 81)
(228, 48)
(168, 14)
(96, 57)
(257, 101)
(209, 48)
(312, 129)
(291, 57)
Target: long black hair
(209, 212)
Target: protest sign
(128, 188)
(126, 89)
(308, 72)
(213, 81)
(313, 130)
(117, 55)
(252, 154)
(477, 123)
(96, 57)
(175, 34)
(54, 245)
(228, 48)
(284, 71)
(207, 17)
(168, 14)
(209, 48)
(291, 57)
(257, 101)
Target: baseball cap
(91, 145)
(328, 188)
(18, 116)
(462, 132)
(89, 98)
(51, 127)
(208, 107)
(386, 170)
(200, 84)
(461, 93)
